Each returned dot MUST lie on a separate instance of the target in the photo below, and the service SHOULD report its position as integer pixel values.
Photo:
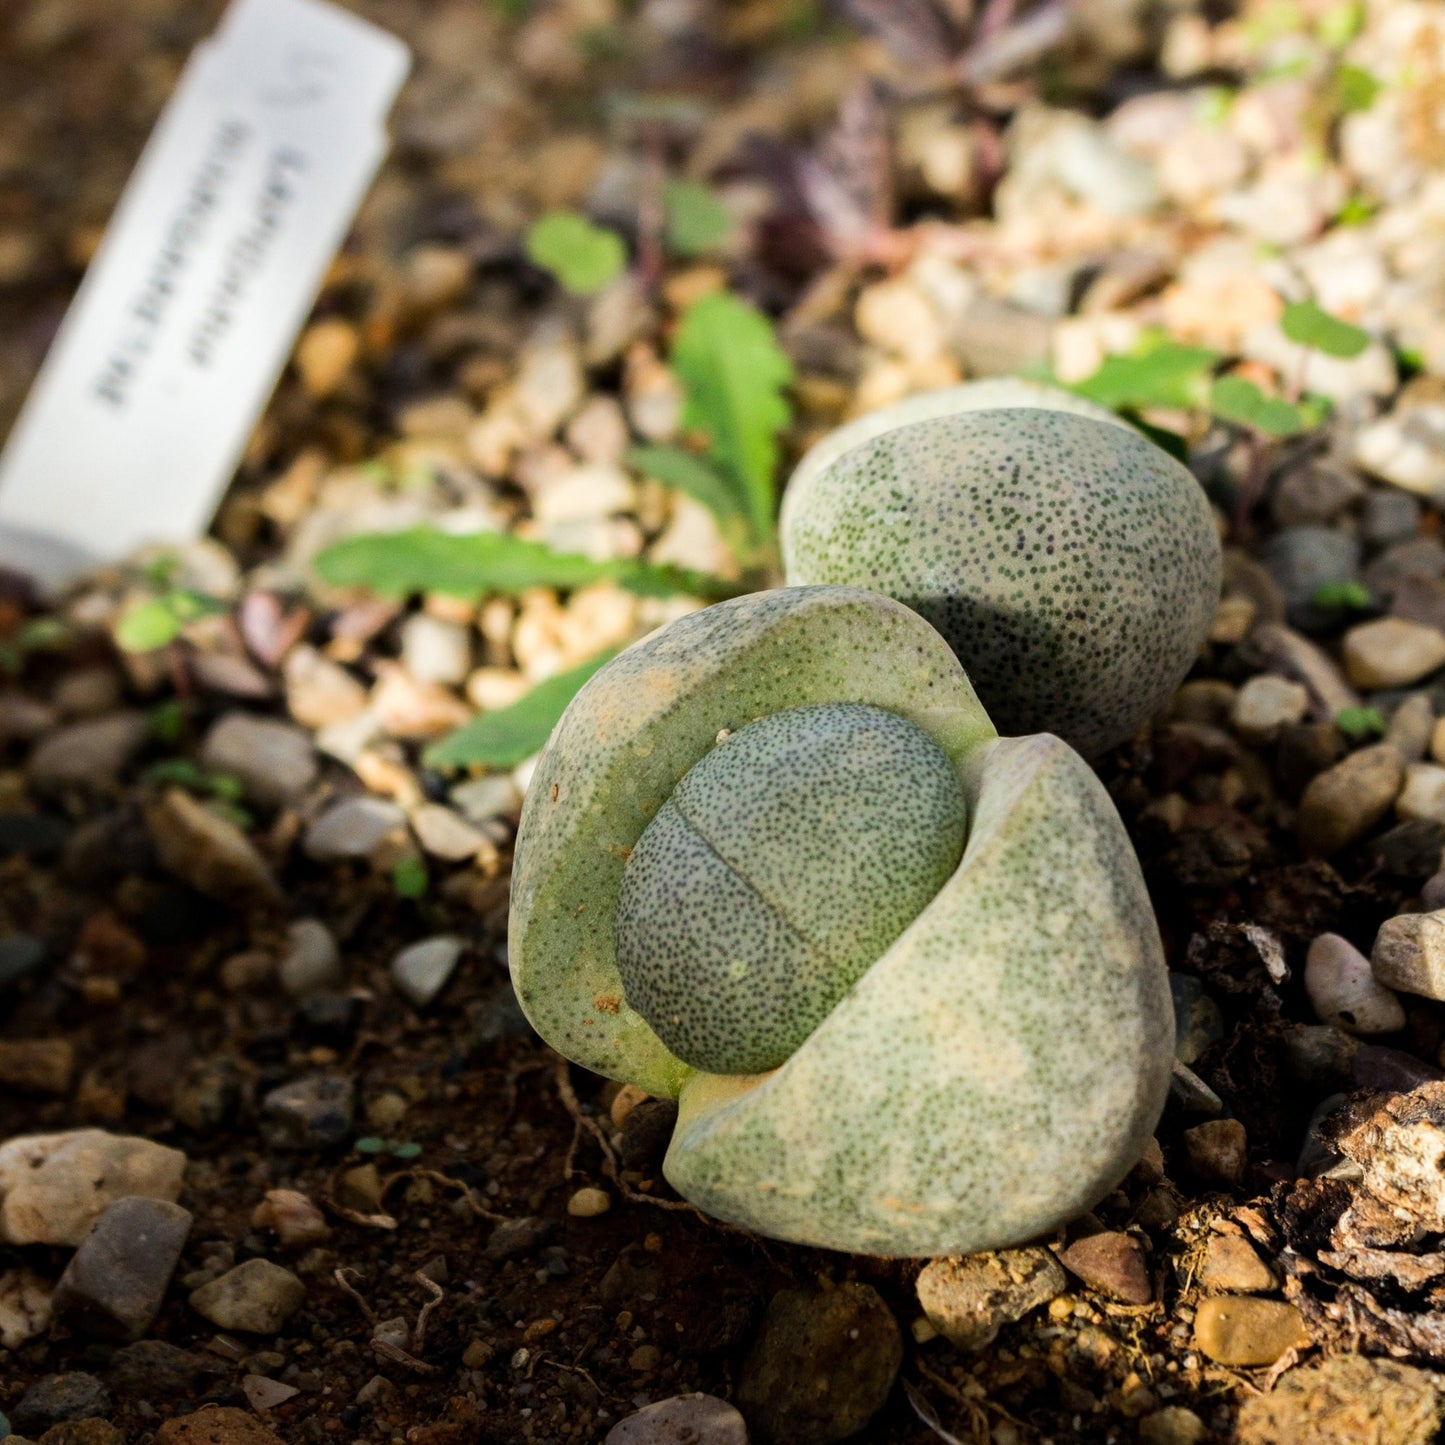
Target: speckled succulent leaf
(996, 1072)
(632, 733)
(991, 394)
(1070, 562)
(786, 861)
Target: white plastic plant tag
(210, 264)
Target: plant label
(205, 275)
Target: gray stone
(1407, 449)
(55, 1398)
(969, 1299)
(313, 1113)
(1302, 560)
(1315, 493)
(90, 754)
(1293, 656)
(116, 1281)
(1345, 802)
(822, 1366)
(257, 1297)
(208, 852)
(274, 761)
(421, 971)
(152, 1370)
(481, 799)
(1409, 954)
(20, 954)
(352, 828)
(312, 961)
(1411, 726)
(682, 1420)
(1344, 991)
(1388, 517)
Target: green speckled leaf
(632, 733)
(996, 1072)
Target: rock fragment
(274, 762)
(1391, 652)
(256, 1297)
(55, 1187)
(208, 852)
(216, 1425)
(682, 1420)
(421, 970)
(969, 1299)
(1231, 1266)
(116, 1281)
(1343, 989)
(1344, 1400)
(822, 1366)
(1344, 802)
(311, 1113)
(1217, 1151)
(56, 1398)
(89, 755)
(1113, 1264)
(1409, 954)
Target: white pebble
(1343, 990)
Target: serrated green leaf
(1310, 325)
(1239, 401)
(147, 626)
(583, 257)
(734, 372)
(504, 738)
(697, 221)
(1355, 88)
(1165, 375)
(686, 472)
(471, 564)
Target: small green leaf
(1339, 25)
(1165, 374)
(147, 626)
(697, 222)
(471, 564)
(177, 772)
(1310, 325)
(1236, 400)
(168, 721)
(44, 634)
(1355, 89)
(689, 473)
(1343, 597)
(1357, 210)
(409, 1150)
(1359, 723)
(734, 372)
(502, 739)
(410, 879)
(583, 257)
(370, 1145)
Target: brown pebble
(1217, 1150)
(1232, 1267)
(216, 1425)
(1113, 1264)
(1242, 1330)
(41, 1066)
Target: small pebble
(116, 1281)
(296, 1221)
(588, 1203)
(1244, 1331)
(312, 961)
(421, 971)
(1231, 1266)
(822, 1366)
(352, 828)
(1411, 726)
(1173, 1425)
(445, 834)
(1217, 1151)
(1391, 652)
(1343, 989)
(970, 1299)
(1423, 796)
(433, 651)
(256, 1297)
(274, 762)
(1409, 954)
(1266, 704)
(58, 1398)
(208, 852)
(1346, 801)
(313, 1113)
(1113, 1264)
(682, 1420)
(327, 350)
(38, 1066)
(88, 755)
(216, 1425)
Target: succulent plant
(901, 973)
(1072, 564)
